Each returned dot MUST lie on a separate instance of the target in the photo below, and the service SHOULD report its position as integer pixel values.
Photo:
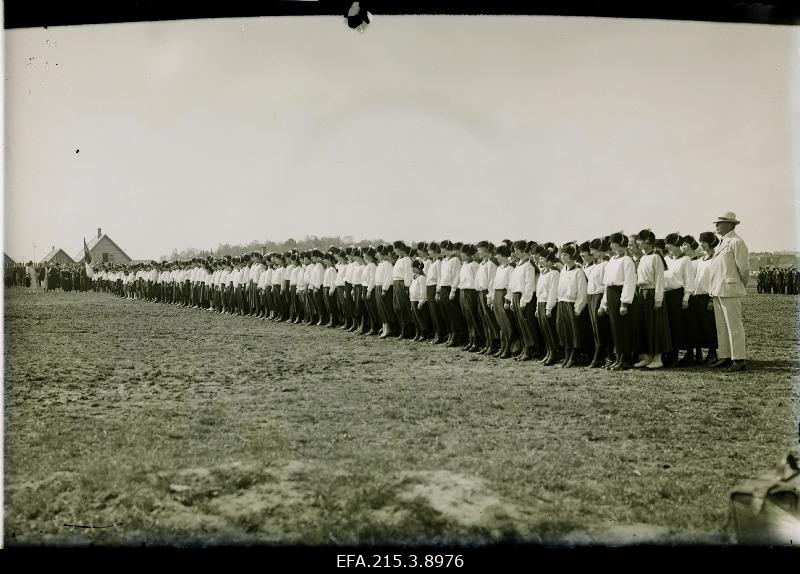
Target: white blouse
(547, 289)
(620, 271)
(650, 273)
(679, 274)
(433, 271)
(418, 290)
(448, 273)
(572, 287)
(466, 275)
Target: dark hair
(422, 246)
(433, 246)
(417, 264)
(619, 238)
(709, 237)
(569, 249)
(689, 240)
(482, 245)
(503, 251)
(520, 244)
(646, 235)
(586, 246)
(673, 239)
(468, 250)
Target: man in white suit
(730, 272)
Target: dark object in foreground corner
(767, 510)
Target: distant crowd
(775, 280)
(48, 277)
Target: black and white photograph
(366, 278)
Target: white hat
(727, 217)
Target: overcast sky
(197, 133)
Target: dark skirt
(469, 307)
(624, 328)
(569, 330)
(434, 311)
(704, 321)
(385, 304)
(421, 317)
(654, 325)
(402, 304)
(490, 326)
(526, 322)
(678, 319)
(548, 328)
(503, 315)
(601, 325)
(456, 322)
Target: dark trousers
(320, 298)
(434, 312)
(468, 298)
(526, 322)
(678, 319)
(548, 329)
(402, 304)
(421, 318)
(704, 320)
(490, 327)
(456, 324)
(601, 327)
(504, 318)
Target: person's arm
(408, 273)
(688, 282)
(658, 272)
(552, 293)
(371, 281)
(582, 284)
(528, 285)
(742, 256)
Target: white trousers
(730, 330)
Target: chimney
(99, 233)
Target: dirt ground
(163, 425)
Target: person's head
(400, 248)
(708, 242)
(672, 244)
(422, 249)
(726, 223)
(519, 247)
(434, 250)
(467, 251)
(633, 244)
(689, 245)
(660, 247)
(417, 267)
(502, 253)
(585, 250)
(567, 253)
(645, 240)
(482, 250)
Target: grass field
(179, 426)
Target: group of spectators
(778, 281)
(47, 277)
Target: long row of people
(615, 302)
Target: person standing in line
(678, 287)
(483, 278)
(402, 275)
(594, 268)
(432, 273)
(654, 321)
(729, 274)
(468, 299)
(328, 288)
(384, 291)
(446, 292)
(701, 306)
(547, 302)
(370, 326)
(571, 303)
(498, 289)
(277, 280)
(418, 293)
(522, 287)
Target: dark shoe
(475, 349)
(506, 355)
(467, 347)
(737, 366)
(720, 363)
(686, 361)
(451, 344)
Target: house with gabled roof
(103, 250)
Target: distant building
(58, 256)
(103, 250)
(7, 260)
